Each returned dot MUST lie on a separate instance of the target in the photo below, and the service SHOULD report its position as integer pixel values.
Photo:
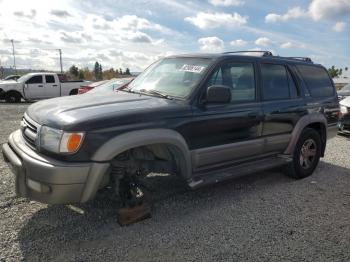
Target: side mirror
(25, 85)
(218, 94)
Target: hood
(343, 93)
(345, 102)
(95, 111)
(8, 83)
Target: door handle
(40, 85)
(256, 115)
(54, 85)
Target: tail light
(84, 89)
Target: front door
(227, 133)
(34, 87)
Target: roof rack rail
(305, 59)
(264, 53)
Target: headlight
(343, 110)
(58, 141)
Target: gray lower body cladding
(47, 180)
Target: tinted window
(239, 77)
(35, 80)
(317, 80)
(50, 79)
(275, 82)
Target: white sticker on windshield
(192, 68)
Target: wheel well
(73, 92)
(321, 129)
(166, 158)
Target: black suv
(204, 117)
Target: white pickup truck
(36, 86)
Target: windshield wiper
(155, 92)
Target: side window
(239, 77)
(49, 79)
(35, 80)
(317, 80)
(275, 82)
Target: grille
(29, 131)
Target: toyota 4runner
(206, 118)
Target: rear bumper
(47, 180)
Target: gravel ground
(261, 217)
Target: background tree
(81, 74)
(97, 70)
(335, 72)
(74, 71)
(100, 73)
(96, 73)
(89, 75)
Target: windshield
(346, 88)
(22, 78)
(171, 76)
(111, 85)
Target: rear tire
(12, 97)
(306, 155)
(73, 92)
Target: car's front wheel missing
(306, 154)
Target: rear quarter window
(317, 80)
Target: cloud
(295, 12)
(238, 43)
(317, 10)
(211, 44)
(60, 13)
(73, 38)
(35, 40)
(5, 52)
(134, 22)
(139, 37)
(29, 15)
(287, 45)
(263, 41)
(213, 20)
(330, 9)
(226, 2)
(339, 27)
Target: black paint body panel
(103, 117)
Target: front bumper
(344, 125)
(47, 180)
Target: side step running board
(217, 175)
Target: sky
(133, 34)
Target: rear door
(52, 88)
(34, 87)
(227, 133)
(282, 105)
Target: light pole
(60, 52)
(14, 57)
